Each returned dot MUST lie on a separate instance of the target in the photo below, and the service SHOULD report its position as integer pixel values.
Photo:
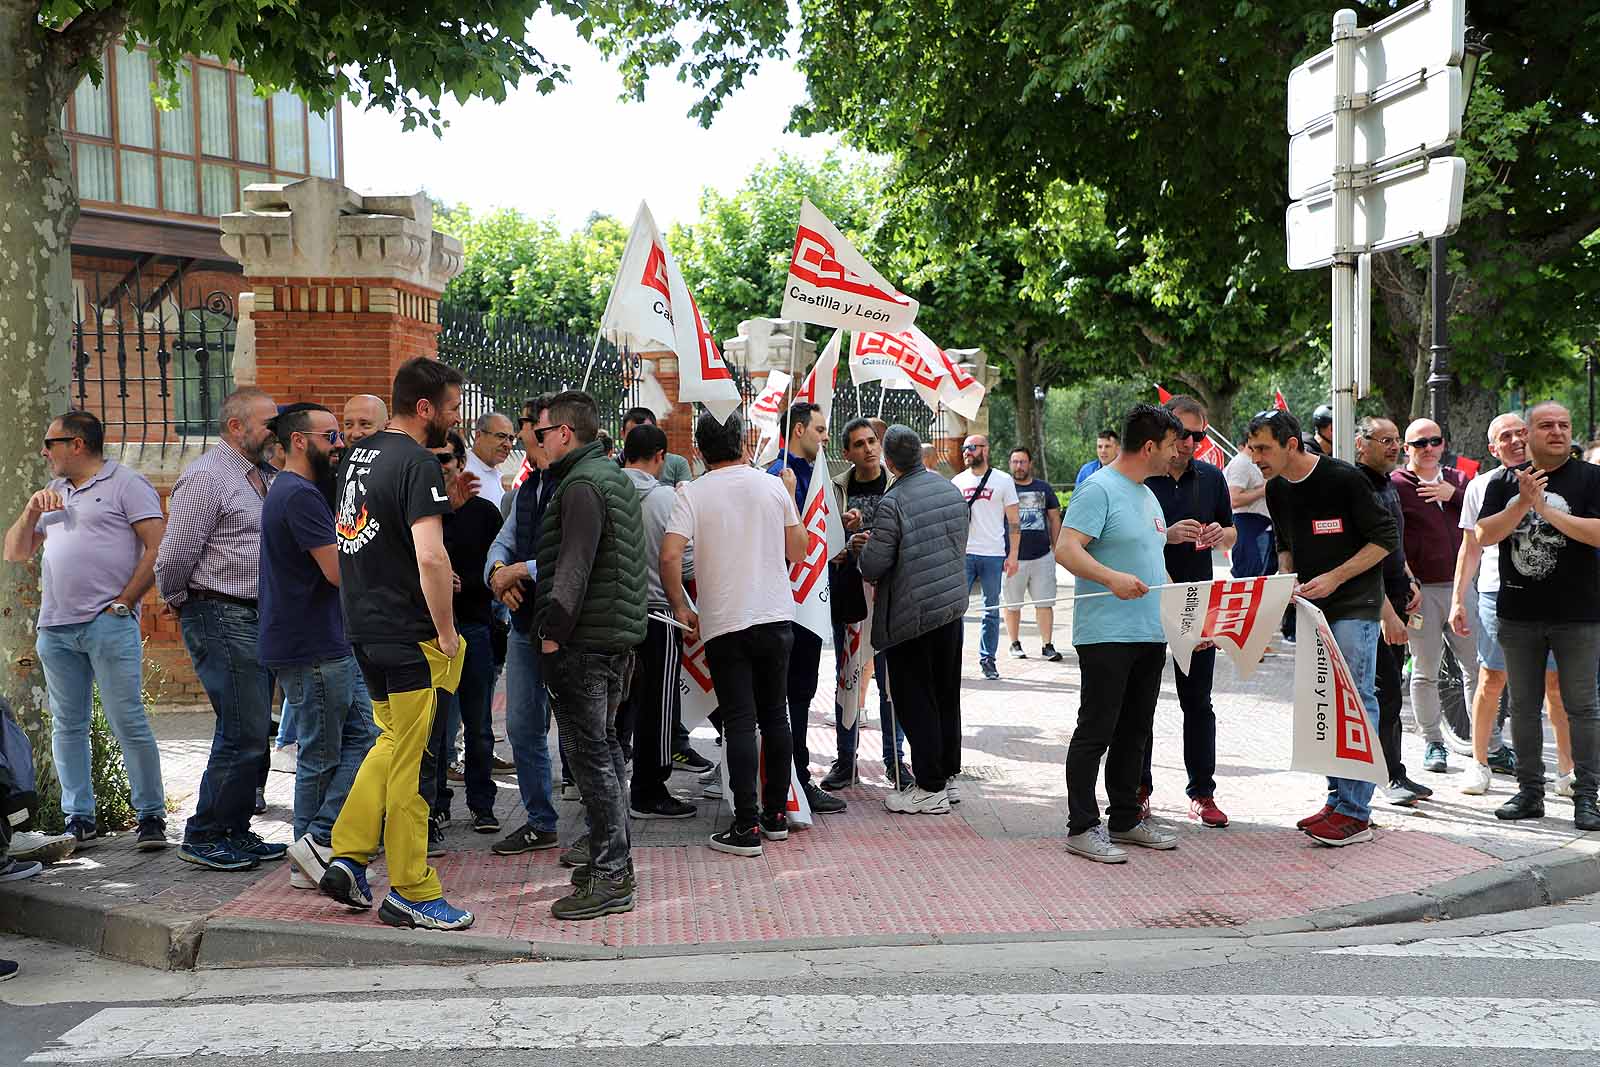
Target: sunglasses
(538, 435)
(1425, 442)
(446, 458)
(972, 448)
(50, 442)
(1194, 435)
(332, 436)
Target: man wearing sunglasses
(993, 539)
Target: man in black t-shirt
(1038, 526)
(1548, 514)
(395, 585)
(1333, 532)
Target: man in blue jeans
(1335, 535)
(208, 571)
(303, 635)
(992, 539)
(100, 525)
(509, 573)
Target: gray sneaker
(1092, 844)
(1145, 834)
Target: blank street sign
(1410, 118)
(1411, 204)
(1426, 36)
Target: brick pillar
(346, 287)
(679, 423)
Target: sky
(579, 149)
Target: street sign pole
(1345, 37)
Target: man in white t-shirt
(1252, 554)
(992, 538)
(745, 531)
(1473, 612)
(491, 445)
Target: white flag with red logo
(808, 579)
(1332, 733)
(1208, 451)
(819, 385)
(1238, 616)
(855, 665)
(696, 696)
(638, 312)
(702, 374)
(911, 354)
(766, 409)
(958, 390)
(830, 284)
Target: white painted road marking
(1577, 942)
(506, 1023)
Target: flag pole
(593, 351)
(784, 429)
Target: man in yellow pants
(395, 584)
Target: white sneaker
(952, 791)
(46, 848)
(1478, 778)
(918, 801)
(713, 775)
(285, 760)
(1565, 786)
(300, 881)
(310, 861)
(1093, 844)
(1145, 834)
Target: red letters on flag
(804, 575)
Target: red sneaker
(1339, 830)
(1327, 810)
(1144, 803)
(1205, 809)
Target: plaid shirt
(213, 540)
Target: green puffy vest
(612, 618)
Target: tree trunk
(35, 294)
(1030, 428)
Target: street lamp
(1439, 376)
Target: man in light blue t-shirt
(1112, 540)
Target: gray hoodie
(657, 501)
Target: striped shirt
(213, 540)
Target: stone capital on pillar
(345, 287)
(766, 345)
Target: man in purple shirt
(100, 526)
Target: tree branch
(1557, 241)
(86, 36)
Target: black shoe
(8, 969)
(217, 856)
(526, 839)
(990, 671)
(1049, 652)
(484, 822)
(261, 802)
(1503, 760)
(1417, 790)
(1016, 650)
(690, 760)
(907, 780)
(578, 855)
(668, 807)
(775, 826)
(739, 841)
(435, 840)
(1522, 806)
(841, 775)
(152, 834)
(83, 828)
(823, 803)
(251, 844)
(1586, 814)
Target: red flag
(1162, 396)
(1278, 401)
(1468, 466)
(1210, 452)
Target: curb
(167, 939)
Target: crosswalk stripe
(1576, 942)
(620, 1022)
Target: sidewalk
(993, 869)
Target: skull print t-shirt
(1546, 576)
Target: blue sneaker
(346, 881)
(396, 910)
(251, 845)
(217, 856)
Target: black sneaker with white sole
(527, 839)
(84, 828)
(690, 760)
(775, 826)
(1049, 652)
(823, 803)
(739, 841)
(484, 822)
(1016, 650)
(667, 807)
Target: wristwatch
(120, 609)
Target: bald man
(364, 415)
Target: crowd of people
(376, 571)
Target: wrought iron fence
(154, 369)
(506, 360)
(871, 400)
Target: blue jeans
(334, 718)
(1252, 555)
(469, 706)
(585, 691)
(528, 729)
(987, 571)
(221, 638)
(104, 651)
(847, 741)
(1358, 643)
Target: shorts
(1486, 633)
(1035, 580)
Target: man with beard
(395, 584)
(208, 571)
(992, 540)
(303, 638)
(1548, 513)
(1377, 452)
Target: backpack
(18, 795)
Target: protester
(992, 540)
(1194, 502)
(302, 636)
(807, 435)
(511, 567)
(395, 585)
(1548, 513)
(916, 552)
(1430, 498)
(676, 468)
(1252, 555)
(100, 526)
(1038, 523)
(1106, 447)
(655, 696)
(207, 571)
(1334, 534)
(1113, 540)
(492, 435)
(857, 492)
(1321, 442)
(1377, 452)
(1475, 614)
(364, 415)
(745, 530)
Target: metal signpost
(1364, 119)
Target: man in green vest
(589, 613)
